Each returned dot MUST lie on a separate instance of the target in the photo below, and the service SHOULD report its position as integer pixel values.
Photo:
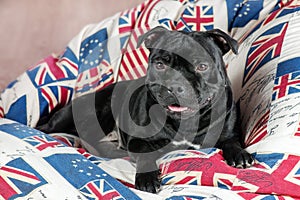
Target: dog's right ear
(151, 36)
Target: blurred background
(33, 29)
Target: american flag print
(197, 18)
(127, 23)
(18, 179)
(135, 61)
(265, 48)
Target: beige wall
(33, 29)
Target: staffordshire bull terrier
(184, 102)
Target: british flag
(282, 9)
(18, 179)
(259, 130)
(287, 78)
(197, 18)
(51, 70)
(42, 142)
(52, 96)
(284, 174)
(265, 48)
(167, 23)
(198, 170)
(101, 189)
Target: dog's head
(186, 69)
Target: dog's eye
(159, 65)
(201, 67)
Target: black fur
(185, 101)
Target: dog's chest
(184, 143)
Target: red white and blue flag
(197, 18)
(287, 79)
(18, 179)
(265, 48)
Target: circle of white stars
(240, 5)
(89, 170)
(91, 52)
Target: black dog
(184, 102)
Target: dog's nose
(176, 89)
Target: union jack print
(101, 189)
(286, 174)
(51, 96)
(259, 130)
(198, 18)
(181, 25)
(282, 9)
(50, 70)
(17, 179)
(198, 170)
(43, 142)
(286, 84)
(287, 78)
(167, 23)
(265, 48)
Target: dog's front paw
(238, 158)
(147, 181)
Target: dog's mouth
(179, 109)
(176, 108)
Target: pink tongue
(177, 109)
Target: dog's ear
(223, 40)
(152, 35)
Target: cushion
(264, 76)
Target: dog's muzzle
(176, 101)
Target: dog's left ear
(151, 36)
(223, 40)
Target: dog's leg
(145, 154)
(61, 121)
(147, 175)
(235, 155)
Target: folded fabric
(265, 79)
